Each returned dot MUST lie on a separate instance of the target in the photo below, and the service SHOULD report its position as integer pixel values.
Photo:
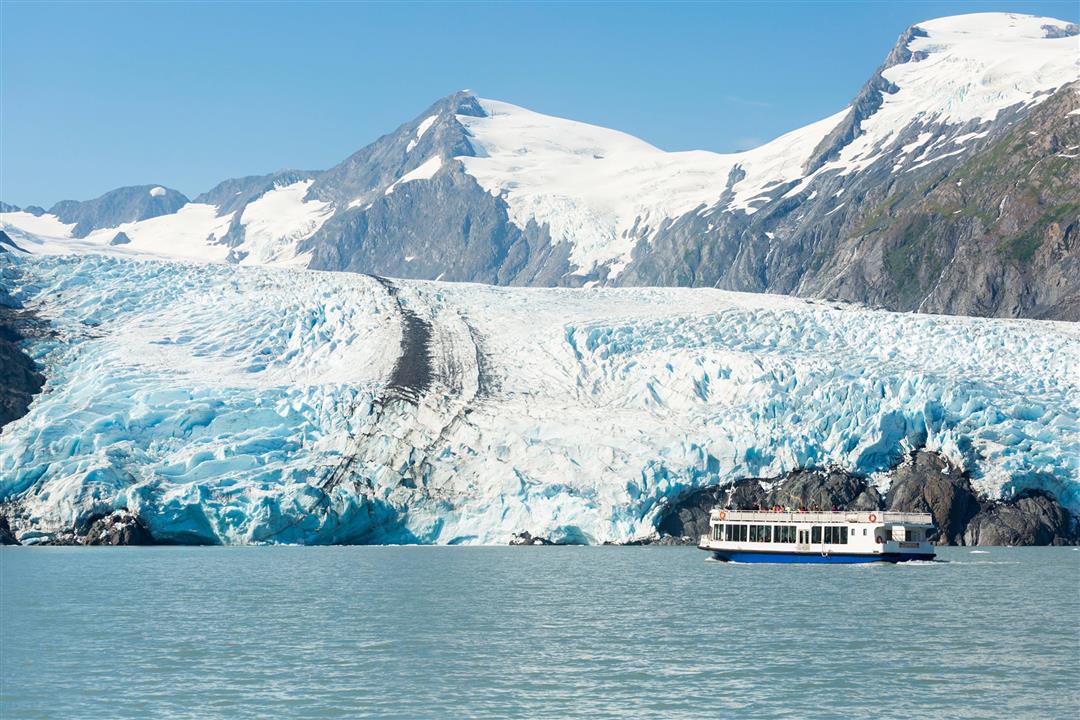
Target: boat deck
(816, 516)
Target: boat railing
(818, 516)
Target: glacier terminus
(229, 404)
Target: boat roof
(812, 516)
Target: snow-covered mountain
(215, 403)
(949, 184)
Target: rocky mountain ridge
(949, 185)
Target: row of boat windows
(735, 532)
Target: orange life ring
(873, 517)
(723, 514)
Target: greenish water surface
(533, 632)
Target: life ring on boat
(722, 515)
(872, 518)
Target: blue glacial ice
(241, 405)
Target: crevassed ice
(213, 399)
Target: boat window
(742, 533)
(729, 532)
(766, 533)
(760, 533)
(843, 535)
(815, 534)
(787, 533)
(717, 532)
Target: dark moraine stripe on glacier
(412, 373)
(409, 380)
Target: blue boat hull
(814, 558)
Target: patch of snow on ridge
(157, 191)
(46, 225)
(592, 185)
(971, 68)
(276, 223)
(425, 171)
(421, 130)
(180, 236)
(210, 400)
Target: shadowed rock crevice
(20, 377)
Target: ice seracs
(235, 405)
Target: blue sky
(94, 96)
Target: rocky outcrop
(527, 538)
(20, 376)
(126, 204)
(831, 489)
(6, 536)
(120, 238)
(118, 528)
(6, 243)
(924, 482)
(928, 482)
(1031, 518)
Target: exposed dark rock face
(20, 377)
(118, 528)
(810, 489)
(6, 243)
(1053, 31)
(928, 482)
(1031, 518)
(688, 518)
(825, 490)
(6, 536)
(122, 205)
(526, 538)
(923, 482)
(121, 238)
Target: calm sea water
(532, 632)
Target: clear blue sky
(94, 96)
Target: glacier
(231, 404)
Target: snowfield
(248, 405)
(604, 191)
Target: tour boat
(782, 536)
